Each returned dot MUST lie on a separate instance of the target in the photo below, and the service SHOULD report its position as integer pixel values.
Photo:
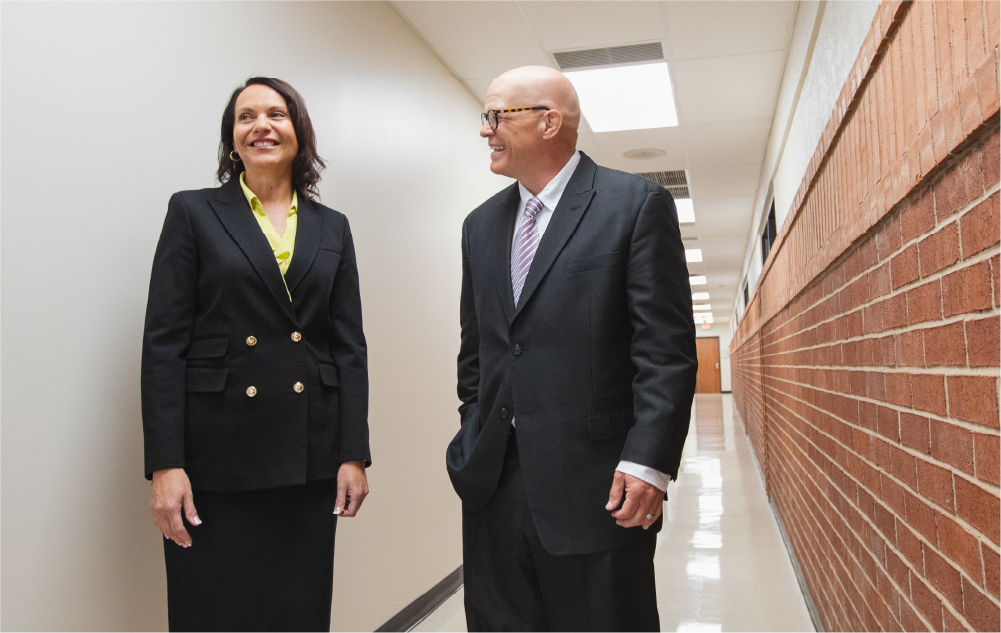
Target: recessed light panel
(693, 255)
(702, 306)
(626, 97)
(700, 296)
(697, 280)
(686, 210)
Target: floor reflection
(721, 563)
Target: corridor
(721, 562)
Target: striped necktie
(525, 245)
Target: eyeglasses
(490, 116)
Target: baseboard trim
(412, 614)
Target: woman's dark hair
(306, 166)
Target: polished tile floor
(721, 563)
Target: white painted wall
(107, 110)
(825, 43)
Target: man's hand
(352, 488)
(170, 494)
(642, 499)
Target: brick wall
(866, 366)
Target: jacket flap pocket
(206, 379)
(214, 347)
(590, 263)
(328, 374)
(607, 425)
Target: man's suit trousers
(513, 584)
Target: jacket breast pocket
(206, 379)
(328, 374)
(591, 263)
(208, 347)
(607, 425)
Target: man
(576, 374)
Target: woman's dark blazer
(220, 327)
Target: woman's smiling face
(263, 134)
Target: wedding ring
(649, 516)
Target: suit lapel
(230, 205)
(567, 214)
(309, 225)
(507, 213)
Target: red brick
(894, 311)
(875, 387)
(888, 238)
(939, 250)
(981, 226)
(992, 568)
(985, 451)
(983, 341)
(953, 133)
(959, 186)
(909, 619)
(965, 290)
(975, 33)
(945, 345)
(939, 142)
(879, 281)
(996, 279)
(872, 321)
(914, 432)
(974, 399)
(991, 149)
(969, 102)
(978, 507)
(910, 350)
(960, 546)
(879, 453)
(935, 483)
(929, 393)
(888, 424)
(920, 517)
(987, 85)
(944, 50)
(902, 466)
(924, 303)
(952, 444)
(904, 267)
(943, 577)
(918, 218)
(993, 11)
(883, 355)
(898, 389)
(983, 614)
(926, 602)
(908, 543)
(952, 623)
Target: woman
(255, 379)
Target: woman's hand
(352, 488)
(170, 494)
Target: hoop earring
(233, 158)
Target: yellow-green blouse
(281, 245)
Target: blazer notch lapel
(308, 230)
(242, 226)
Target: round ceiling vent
(644, 154)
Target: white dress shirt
(550, 197)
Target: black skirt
(262, 560)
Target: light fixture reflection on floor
(626, 97)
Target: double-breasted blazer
(597, 363)
(241, 386)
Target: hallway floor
(721, 563)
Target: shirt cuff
(647, 474)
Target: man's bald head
(540, 85)
(532, 145)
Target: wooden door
(708, 378)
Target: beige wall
(108, 109)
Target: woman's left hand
(352, 488)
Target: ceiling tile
(707, 29)
(476, 39)
(669, 139)
(573, 25)
(722, 89)
(724, 216)
(725, 181)
(727, 143)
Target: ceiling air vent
(609, 56)
(674, 181)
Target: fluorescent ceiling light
(697, 280)
(626, 97)
(686, 210)
(704, 317)
(700, 296)
(693, 255)
(702, 306)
